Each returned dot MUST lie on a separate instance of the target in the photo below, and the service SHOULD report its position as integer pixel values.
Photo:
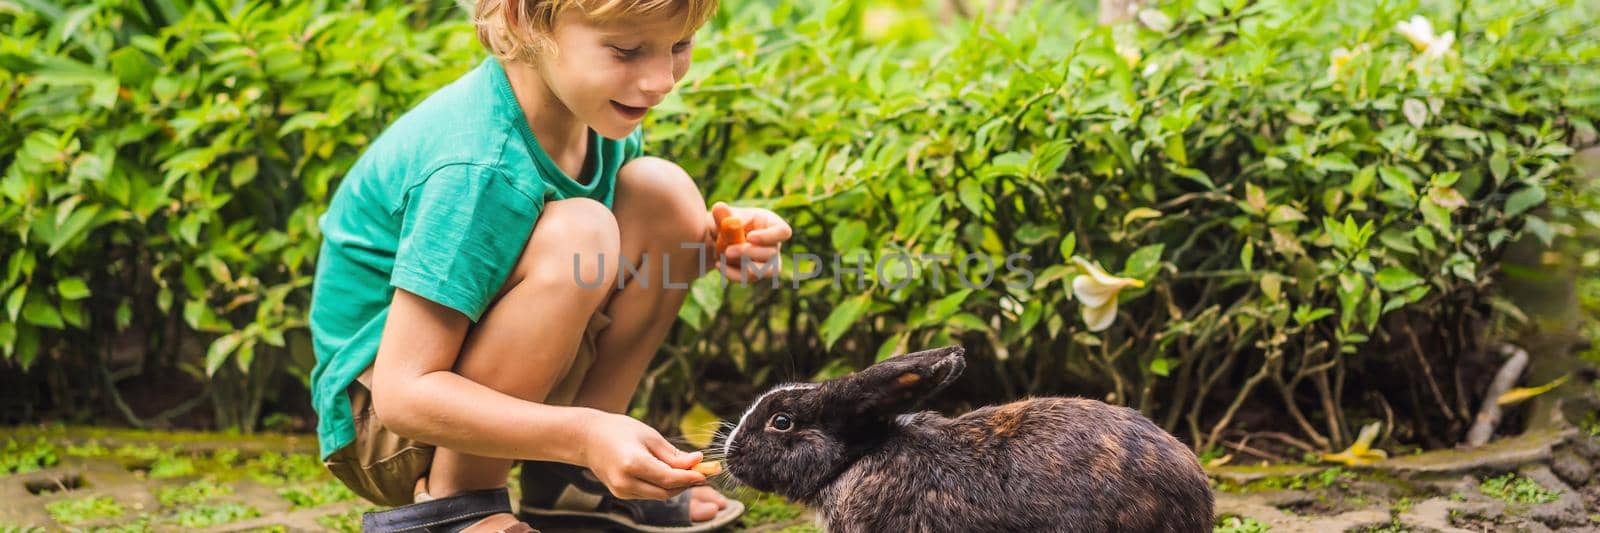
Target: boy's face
(610, 74)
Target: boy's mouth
(628, 111)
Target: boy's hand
(635, 461)
(764, 234)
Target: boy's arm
(415, 393)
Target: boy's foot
(470, 512)
(563, 495)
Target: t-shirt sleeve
(462, 229)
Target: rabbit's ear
(898, 384)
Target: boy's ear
(898, 384)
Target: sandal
(445, 515)
(563, 495)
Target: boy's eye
(625, 52)
(682, 46)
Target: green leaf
(849, 235)
(1397, 240)
(1284, 214)
(1143, 263)
(1069, 244)
(1247, 256)
(220, 349)
(1540, 229)
(14, 302)
(73, 289)
(1160, 366)
(1416, 112)
(942, 309)
(1398, 180)
(1436, 215)
(1034, 234)
(8, 337)
(1140, 213)
(698, 425)
(200, 317)
(40, 312)
(1155, 20)
(1499, 166)
(27, 346)
(77, 223)
(244, 172)
(1524, 199)
(707, 294)
(843, 317)
(971, 196)
(1396, 279)
(1457, 131)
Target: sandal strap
(450, 513)
(560, 486)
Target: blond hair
(520, 30)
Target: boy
(467, 292)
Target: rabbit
(850, 448)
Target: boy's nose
(658, 77)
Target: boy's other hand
(635, 461)
(765, 233)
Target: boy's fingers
(720, 211)
(769, 236)
(671, 478)
(759, 254)
(672, 456)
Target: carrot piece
(729, 232)
(709, 468)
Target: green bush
(163, 174)
(1312, 234)
(1301, 226)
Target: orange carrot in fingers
(709, 468)
(729, 232)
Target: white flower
(1420, 32)
(1338, 59)
(1130, 55)
(1097, 292)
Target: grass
(1512, 488)
(1239, 524)
(316, 494)
(769, 509)
(22, 456)
(171, 466)
(211, 514)
(273, 468)
(192, 493)
(81, 510)
(1331, 477)
(346, 522)
(1591, 423)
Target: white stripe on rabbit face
(727, 447)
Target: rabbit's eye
(781, 422)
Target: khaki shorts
(384, 467)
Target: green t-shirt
(440, 205)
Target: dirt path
(96, 480)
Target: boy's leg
(534, 325)
(658, 209)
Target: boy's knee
(672, 197)
(581, 236)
